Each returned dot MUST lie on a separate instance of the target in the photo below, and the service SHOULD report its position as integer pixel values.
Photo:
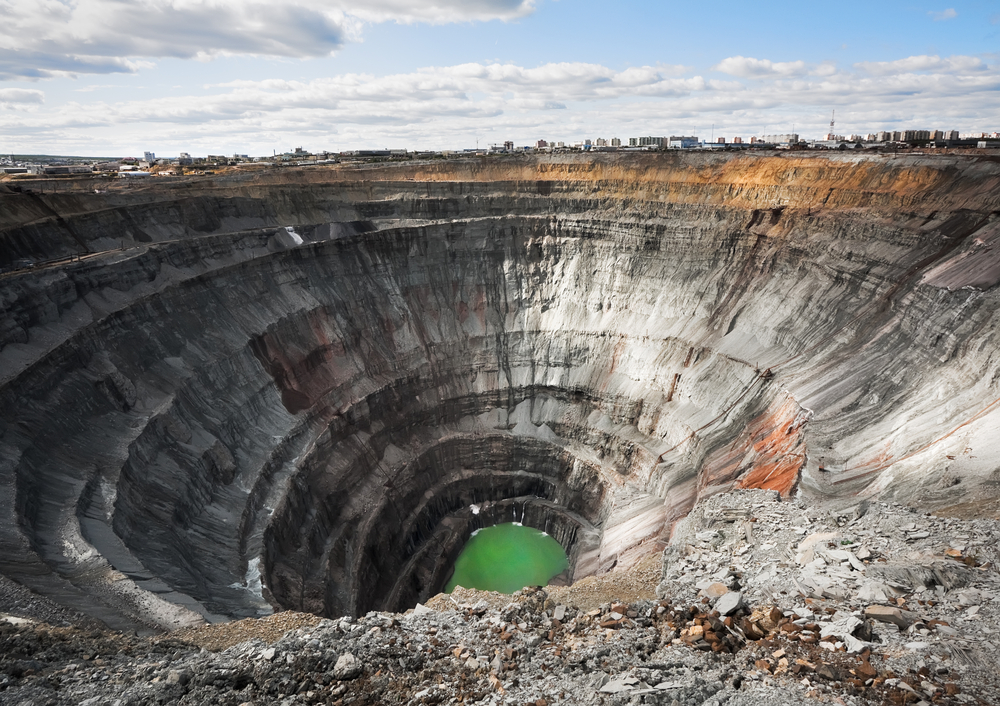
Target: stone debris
(790, 628)
(878, 581)
(729, 603)
(348, 667)
(902, 619)
(715, 590)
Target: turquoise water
(506, 558)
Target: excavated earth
(303, 389)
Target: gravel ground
(221, 636)
(776, 615)
(16, 600)
(635, 583)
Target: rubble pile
(871, 584)
(762, 601)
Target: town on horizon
(151, 165)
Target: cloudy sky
(117, 77)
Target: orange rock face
(768, 454)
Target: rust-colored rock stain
(769, 453)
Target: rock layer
(223, 416)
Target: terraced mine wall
(305, 388)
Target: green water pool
(506, 558)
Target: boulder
(347, 667)
(729, 603)
(886, 614)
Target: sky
(120, 77)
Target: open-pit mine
(303, 389)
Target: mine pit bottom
(508, 557)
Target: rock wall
(205, 415)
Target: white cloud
(943, 15)
(747, 67)
(44, 38)
(951, 64)
(453, 106)
(827, 68)
(97, 87)
(20, 95)
(554, 82)
(435, 11)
